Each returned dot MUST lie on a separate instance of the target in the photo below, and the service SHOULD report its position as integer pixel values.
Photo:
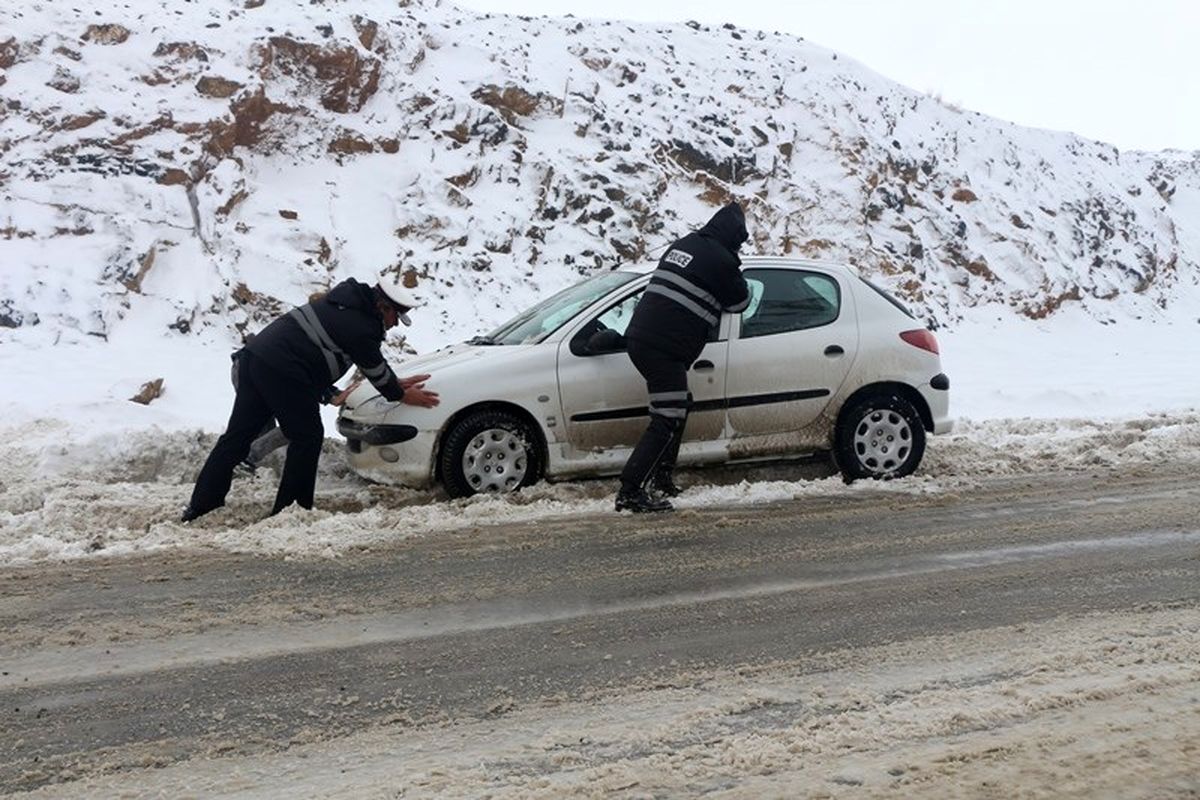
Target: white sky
(1123, 71)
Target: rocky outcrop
(108, 34)
(247, 125)
(514, 103)
(8, 52)
(490, 154)
(213, 86)
(343, 76)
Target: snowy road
(841, 645)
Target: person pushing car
(697, 279)
(282, 373)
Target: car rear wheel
(880, 436)
(489, 451)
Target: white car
(821, 360)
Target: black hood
(352, 294)
(728, 227)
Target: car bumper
(406, 463)
(375, 434)
(937, 397)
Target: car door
(790, 351)
(604, 397)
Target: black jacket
(314, 344)
(697, 279)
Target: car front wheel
(489, 451)
(880, 436)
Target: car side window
(616, 318)
(613, 322)
(783, 300)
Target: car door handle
(703, 366)
(834, 350)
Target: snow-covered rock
(205, 164)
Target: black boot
(637, 501)
(663, 484)
(190, 514)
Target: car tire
(880, 436)
(489, 451)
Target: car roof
(757, 261)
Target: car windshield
(546, 317)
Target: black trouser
(268, 439)
(262, 393)
(666, 382)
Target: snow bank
(83, 471)
(73, 495)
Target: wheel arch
(904, 390)
(489, 405)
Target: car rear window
(888, 296)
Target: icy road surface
(1032, 635)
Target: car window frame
(835, 279)
(724, 326)
(577, 339)
(554, 334)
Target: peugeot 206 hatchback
(820, 361)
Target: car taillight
(922, 338)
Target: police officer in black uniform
(697, 279)
(282, 373)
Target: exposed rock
(12, 318)
(159, 123)
(466, 179)
(264, 305)
(287, 213)
(348, 78)
(64, 81)
(459, 133)
(234, 199)
(182, 51)
(1044, 308)
(155, 78)
(8, 52)
(513, 102)
(597, 64)
(251, 112)
(733, 169)
(67, 52)
(213, 86)
(420, 103)
(367, 30)
(82, 120)
(151, 390)
(134, 282)
(963, 195)
(174, 177)
(349, 143)
(106, 34)
(389, 145)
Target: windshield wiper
(481, 340)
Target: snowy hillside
(201, 165)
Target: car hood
(455, 373)
(449, 356)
